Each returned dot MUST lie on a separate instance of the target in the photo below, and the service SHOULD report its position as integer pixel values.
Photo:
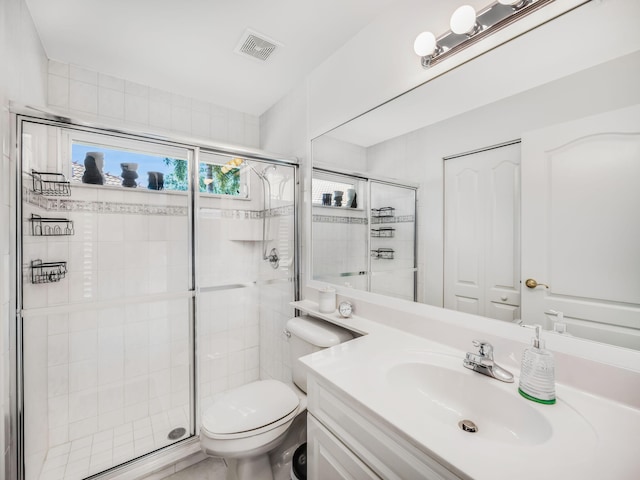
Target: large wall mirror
(526, 167)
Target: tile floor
(92, 454)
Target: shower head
(264, 171)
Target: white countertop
(590, 437)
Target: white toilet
(249, 421)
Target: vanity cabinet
(347, 442)
(328, 457)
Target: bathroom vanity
(390, 404)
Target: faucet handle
(485, 349)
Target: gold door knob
(531, 283)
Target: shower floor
(89, 455)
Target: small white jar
(327, 300)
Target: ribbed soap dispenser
(537, 375)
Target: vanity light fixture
(464, 21)
(468, 27)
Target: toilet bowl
(248, 422)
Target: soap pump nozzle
(536, 341)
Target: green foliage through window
(211, 179)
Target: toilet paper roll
(327, 300)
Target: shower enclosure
(140, 301)
(369, 243)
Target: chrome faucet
(482, 362)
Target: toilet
(246, 423)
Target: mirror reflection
(364, 233)
(528, 203)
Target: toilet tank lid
(318, 332)
(250, 407)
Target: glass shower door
(393, 240)
(107, 296)
(245, 271)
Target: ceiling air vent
(256, 45)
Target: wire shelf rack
(383, 254)
(383, 232)
(49, 227)
(50, 184)
(383, 212)
(47, 272)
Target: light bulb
(463, 20)
(425, 44)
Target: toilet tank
(310, 335)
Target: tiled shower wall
(240, 327)
(340, 246)
(88, 94)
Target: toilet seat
(237, 414)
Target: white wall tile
(111, 103)
(58, 349)
(58, 380)
(219, 123)
(157, 95)
(160, 115)
(83, 375)
(83, 75)
(110, 397)
(180, 119)
(111, 341)
(83, 97)
(59, 68)
(83, 406)
(111, 228)
(136, 363)
(180, 101)
(137, 109)
(85, 320)
(110, 369)
(110, 82)
(58, 91)
(136, 89)
(83, 345)
(158, 358)
(200, 124)
(236, 128)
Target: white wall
(22, 79)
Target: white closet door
(482, 242)
(581, 234)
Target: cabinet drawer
(328, 457)
(388, 454)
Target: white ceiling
(187, 46)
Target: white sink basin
(452, 396)
(441, 390)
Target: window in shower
(324, 188)
(223, 175)
(121, 162)
(134, 164)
